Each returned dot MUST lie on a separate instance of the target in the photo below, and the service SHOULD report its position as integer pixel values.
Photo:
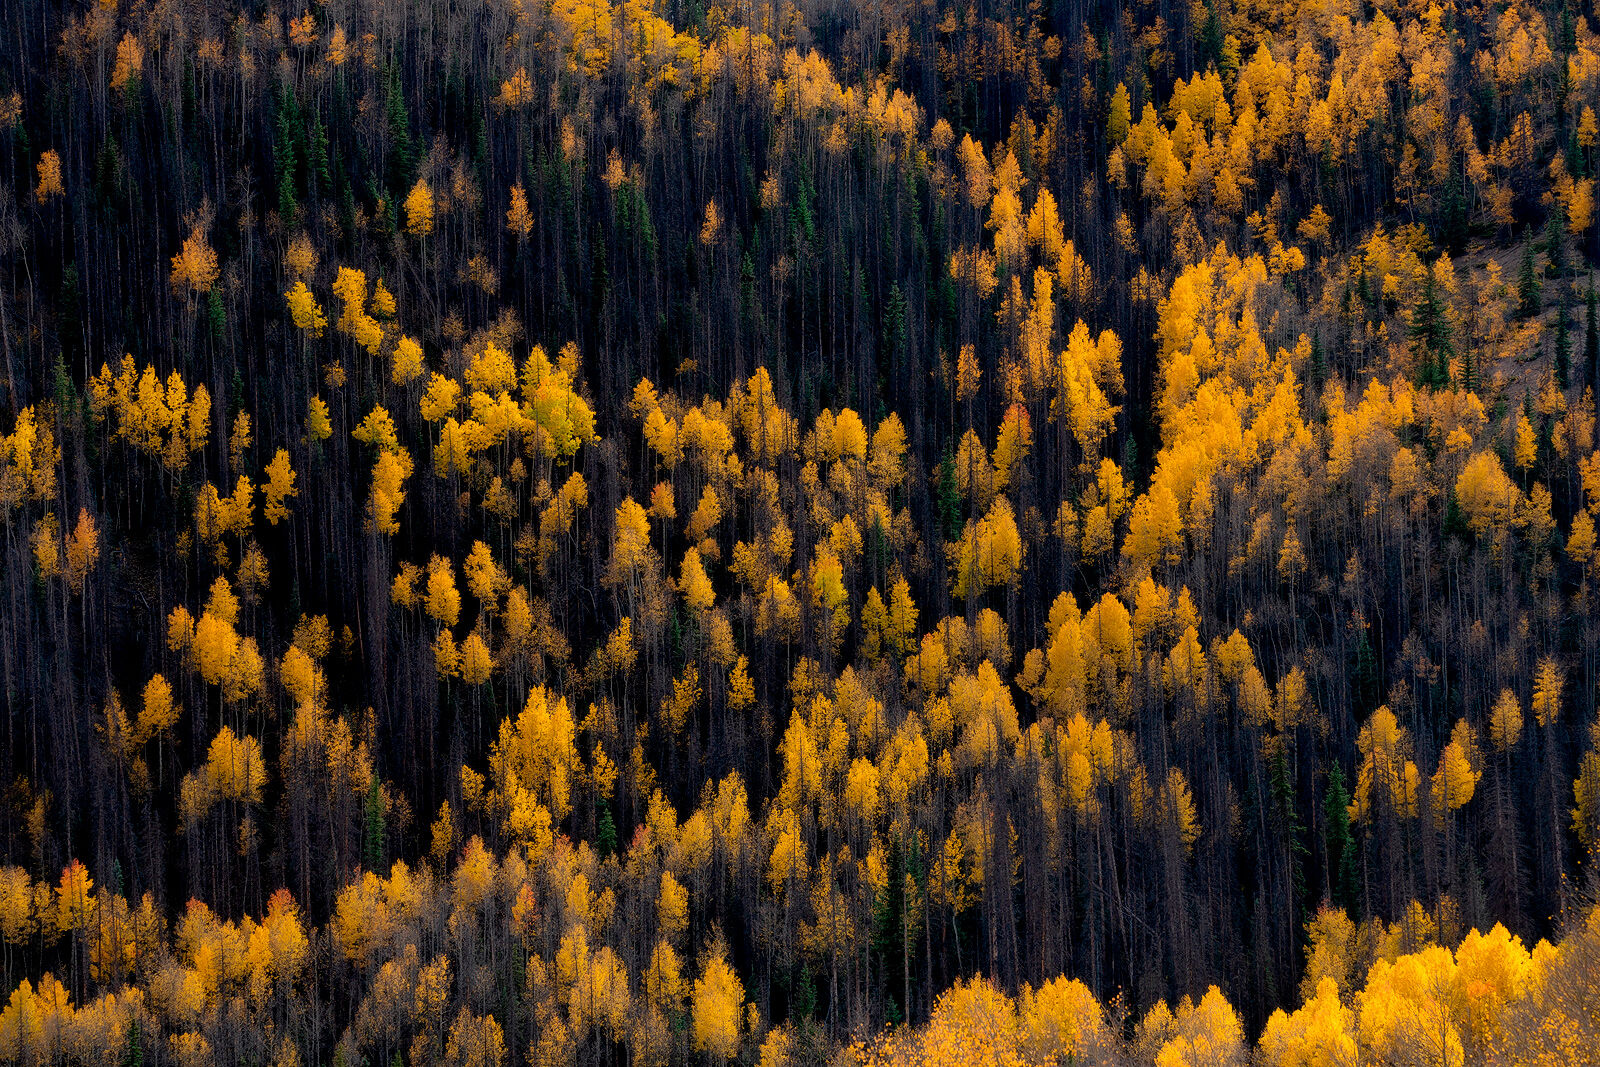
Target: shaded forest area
(566, 531)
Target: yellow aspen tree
(442, 601)
(159, 711)
(1154, 529)
(47, 545)
(717, 1012)
(519, 220)
(694, 584)
(1586, 801)
(83, 550)
(1455, 779)
(476, 663)
(389, 476)
(419, 210)
(74, 898)
(1548, 681)
(1062, 1021)
(407, 366)
(1505, 721)
(49, 168)
(194, 268)
(486, 580)
(304, 310)
(279, 486)
(130, 61)
(318, 425)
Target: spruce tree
(947, 496)
(133, 1048)
(1563, 347)
(318, 176)
(1430, 337)
(372, 849)
(1528, 292)
(402, 158)
(1341, 873)
(288, 133)
(1555, 242)
(1591, 337)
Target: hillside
(541, 531)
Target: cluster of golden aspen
(750, 702)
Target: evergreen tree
(1287, 816)
(1341, 873)
(1555, 242)
(1591, 337)
(216, 315)
(372, 844)
(947, 497)
(1455, 218)
(133, 1049)
(288, 132)
(888, 926)
(402, 157)
(1431, 342)
(1528, 290)
(1366, 675)
(1210, 37)
(318, 176)
(1563, 343)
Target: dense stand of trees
(555, 530)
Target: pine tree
(1288, 819)
(1319, 360)
(1367, 676)
(1528, 290)
(372, 845)
(288, 132)
(216, 315)
(319, 178)
(894, 330)
(1563, 343)
(133, 1049)
(1455, 217)
(1591, 337)
(888, 927)
(1210, 38)
(1431, 342)
(948, 496)
(402, 158)
(1341, 855)
(1555, 241)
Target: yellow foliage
(717, 1009)
(195, 267)
(279, 486)
(1320, 1034)
(537, 752)
(442, 601)
(49, 175)
(1387, 780)
(419, 210)
(989, 553)
(1548, 681)
(318, 424)
(1204, 1034)
(407, 366)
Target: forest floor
(1527, 352)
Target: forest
(799, 532)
